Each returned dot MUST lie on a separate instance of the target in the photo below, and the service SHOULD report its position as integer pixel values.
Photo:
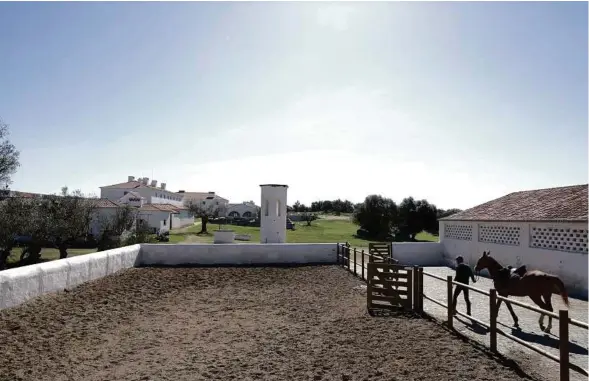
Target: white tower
(273, 213)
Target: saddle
(510, 274)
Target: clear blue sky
(454, 102)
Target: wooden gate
(381, 252)
(389, 286)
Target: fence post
(415, 288)
(369, 288)
(420, 289)
(348, 255)
(337, 253)
(493, 319)
(563, 322)
(363, 278)
(410, 280)
(450, 312)
(355, 273)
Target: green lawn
(321, 230)
(47, 254)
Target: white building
(245, 210)
(159, 208)
(273, 216)
(148, 190)
(545, 229)
(208, 200)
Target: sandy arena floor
(304, 323)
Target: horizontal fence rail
(348, 258)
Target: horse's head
(483, 262)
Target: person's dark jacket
(463, 274)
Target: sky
(457, 102)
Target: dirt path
(304, 323)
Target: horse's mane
(493, 260)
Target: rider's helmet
(459, 259)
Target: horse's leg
(513, 315)
(536, 298)
(548, 303)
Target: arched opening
(247, 214)
(234, 214)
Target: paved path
(528, 320)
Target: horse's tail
(561, 290)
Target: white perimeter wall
(23, 283)
(238, 254)
(513, 246)
(419, 253)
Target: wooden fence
(370, 262)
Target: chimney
(131, 178)
(163, 186)
(145, 180)
(181, 191)
(154, 183)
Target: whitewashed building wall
(558, 248)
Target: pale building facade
(244, 210)
(544, 229)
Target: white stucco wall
(24, 283)
(517, 250)
(242, 208)
(238, 254)
(273, 216)
(418, 253)
(181, 220)
(97, 221)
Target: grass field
(47, 254)
(321, 230)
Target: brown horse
(536, 284)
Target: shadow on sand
(473, 326)
(546, 340)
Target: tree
(415, 217)
(204, 212)
(445, 213)
(13, 216)
(308, 217)
(113, 228)
(377, 215)
(9, 156)
(35, 227)
(296, 206)
(70, 216)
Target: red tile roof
(135, 185)
(105, 203)
(160, 208)
(552, 204)
(201, 195)
(127, 185)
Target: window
(165, 221)
(204, 202)
(278, 208)
(458, 231)
(217, 203)
(561, 238)
(266, 208)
